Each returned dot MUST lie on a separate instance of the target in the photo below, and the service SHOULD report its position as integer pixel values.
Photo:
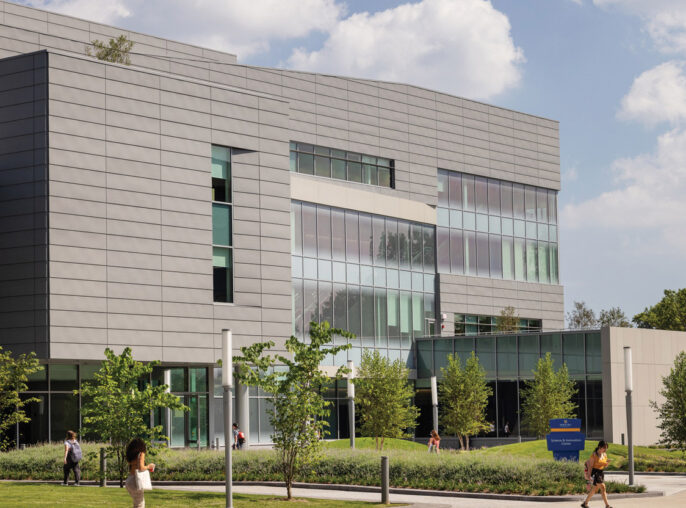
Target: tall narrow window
(222, 250)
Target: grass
(645, 458)
(21, 495)
(368, 443)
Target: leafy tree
(117, 405)
(581, 317)
(14, 372)
(672, 413)
(115, 51)
(548, 395)
(613, 317)
(464, 397)
(384, 398)
(507, 321)
(298, 410)
(668, 314)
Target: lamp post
(629, 387)
(434, 401)
(227, 383)
(351, 403)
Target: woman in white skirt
(135, 456)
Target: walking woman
(595, 466)
(434, 442)
(135, 456)
(72, 457)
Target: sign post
(566, 439)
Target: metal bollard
(103, 468)
(384, 480)
(216, 443)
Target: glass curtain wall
(509, 361)
(339, 164)
(371, 275)
(493, 228)
(59, 410)
(466, 324)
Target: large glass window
(341, 165)
(492, 228)
(370, 274)
(222, 244)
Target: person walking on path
(135, 456)
(72, 457)
(434, 442)
(594, 473)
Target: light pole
(227, 382)
(351, 403)
(629, 387)
(434, 401)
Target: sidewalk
(673, 487)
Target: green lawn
(368, 443)
(645, 458)
(21, 495)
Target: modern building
(155, 204)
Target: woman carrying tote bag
(138, 480)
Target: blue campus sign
(566, 439)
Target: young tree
(581, 317)
(613, 317)
(464, 397)
(384, 398)
(668, 314)
(672, 413)
(116, 409)
(14, 372)
(115, 51)
(507, 321)
(298, 410)
(548, 395)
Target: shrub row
(448, 471)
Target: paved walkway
(674, 488)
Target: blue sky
(613, 72)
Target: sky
(612, 72)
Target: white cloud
(658, 95)
(648, 201)
(570, 174)
(664, 20)
(460, 46)
(100, 12)
(237, 26)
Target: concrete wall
(23, 204)
(421, 130)
(460, 294)
(653, 353)
(130, 213)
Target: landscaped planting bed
(468, 472)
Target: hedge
(451, 471)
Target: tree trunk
(459, 437)
(120, 468)
(467, 442)
(289, 484)
(382, 440)
(377, 443)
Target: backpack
(75, 454)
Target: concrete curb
(645, 473)
(364, 488)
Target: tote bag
(143, 480)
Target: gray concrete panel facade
(23, 204)
(129, 177)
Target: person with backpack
(594, 473)
(238, 437)
(72, 457)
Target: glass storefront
(509, 360)
(58, 409)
